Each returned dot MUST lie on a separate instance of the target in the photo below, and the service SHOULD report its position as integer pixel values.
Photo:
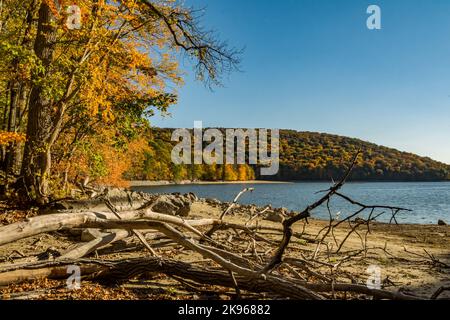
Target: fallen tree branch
(439, 292)
(54, 222)
(305, 214)
(236, 199)
(136, 233)
(96, 244)
(129, 269)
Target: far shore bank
(188, 182)
(148, 183)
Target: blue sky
(312, 65)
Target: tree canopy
(82, 96)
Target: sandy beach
(411, 258)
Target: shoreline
(188, 182)
(260, 207)
(149, 183)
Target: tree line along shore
(304, 156)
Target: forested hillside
(318, 156)
(303, 156)
(157, 164)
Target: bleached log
(54, 222)
(96, 244)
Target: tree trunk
(37, 156)
(18, 102)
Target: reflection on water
(430, 201)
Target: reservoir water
(430, 201)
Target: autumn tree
(101, 79)
(229, 173)
(18, 61)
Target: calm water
(429, 201)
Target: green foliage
(158, 164)
(97, 167)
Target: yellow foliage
(7, 138)
(230, 173)
(242, 173)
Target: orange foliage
(103, 163)
(7, 138)
(229, 173)
(242, 173)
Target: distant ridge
(319, 156)
(307, 156)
